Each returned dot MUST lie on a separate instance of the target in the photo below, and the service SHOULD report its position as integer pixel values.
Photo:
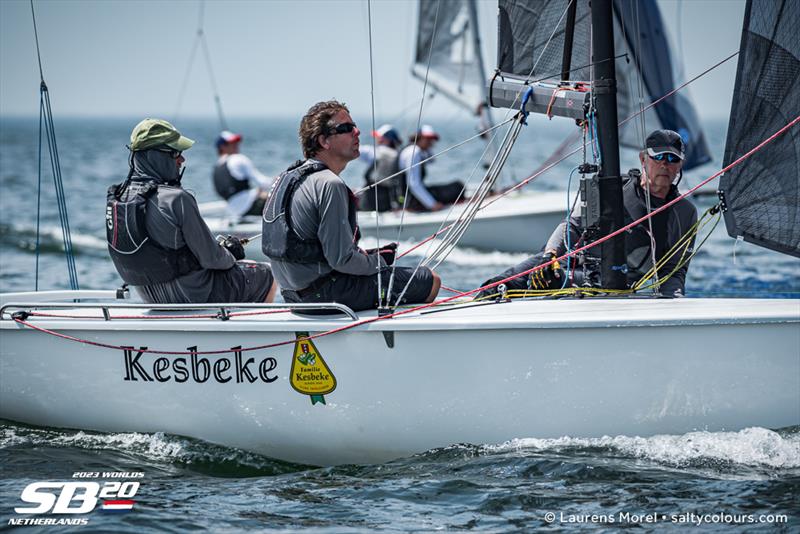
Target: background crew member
(381, 163)
(237, 180)
(424, 197)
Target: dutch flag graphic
(118, 506)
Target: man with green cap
(157, 239)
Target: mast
(604, 82)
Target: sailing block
(550, 99)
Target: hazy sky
(128, 58)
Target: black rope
(217, 100)
(46, 116)
(200, 40)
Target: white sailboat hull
(516, 223)
(483, 374)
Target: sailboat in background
(368, 388)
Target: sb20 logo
(84, 494)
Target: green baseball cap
(151, 133)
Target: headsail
(448, 34)
(763, 193)
(525, 28)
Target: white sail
(448, 40)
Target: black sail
(763, 192)
(532, 33)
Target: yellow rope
(682, 245)
(712, 214)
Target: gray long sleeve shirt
(676, 222)
(319, 209)
(173, 220)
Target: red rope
(448, 299)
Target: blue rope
(595, 147)
(570, 207)
(46, 114)
(525, 99)
(52, 146)
(39, 196)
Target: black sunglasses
(343, 128)
(174, 154)
(670, 157)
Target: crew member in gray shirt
(310, 230)
(157, 239)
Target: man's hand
(549, 277)
(387, 252)
(233, 245)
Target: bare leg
(437, 283)
(272, 291)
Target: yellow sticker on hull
(310, 374)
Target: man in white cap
(381, 163)
(642, 192)
(424, 197)
(237, 180)
(157, 239)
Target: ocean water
(749, 478)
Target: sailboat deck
(529, 313)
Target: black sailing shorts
(247, 281)
(361, 292)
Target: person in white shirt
(425, 197)
(237, 180)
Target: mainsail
(531, 40)
(763, 193)
(448, 34)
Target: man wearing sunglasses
(642, 192)
(310, 228)
(157, 240)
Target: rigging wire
(530, 178)
(46, 118)
(491, 141)
(202, 42)
(642, 134)
(577, 149)
(416, 135)
(622, 122)
(374, 151)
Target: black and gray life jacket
(139, 260)
(224, 182)
(279, 241)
